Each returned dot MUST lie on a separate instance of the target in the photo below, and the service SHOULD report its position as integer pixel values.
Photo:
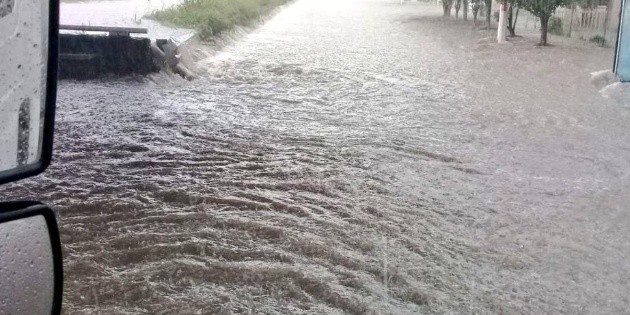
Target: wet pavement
(356, 156)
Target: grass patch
(212, 17)
(598, 40)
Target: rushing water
(355, 156)
(119, 13)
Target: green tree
(588, 4)
(465, 10)
(446, 6)
(458, 5)
(513, 16)
(476, 5)
(488, 13)
(543, 9)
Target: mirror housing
(31, 274)
(28, 86)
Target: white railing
(578, 23)
(585, 23)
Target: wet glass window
(24, 26)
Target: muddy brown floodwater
(355, 156)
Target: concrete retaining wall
(85, 56)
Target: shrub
(598, 40)
(555, 26)
(212, 17)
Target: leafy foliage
(543, 9)
(590, 4)
(598, 40)
(513, 16)
(476, 5)
(488, 4)
(446, 6)
(212, 17)
(555, 26)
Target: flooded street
(347, 157)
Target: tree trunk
(515, 20)
(458, 5)
(488, 13)
(446, 6)
(510, 21)
(475, 13)
(465, 11)
(544, 23)
(571, 20)
(512, 18)
(607, 18)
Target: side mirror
(31, 276)
(28, 82)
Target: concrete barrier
(87, 56)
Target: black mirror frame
(51, 99)
(11, 211)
